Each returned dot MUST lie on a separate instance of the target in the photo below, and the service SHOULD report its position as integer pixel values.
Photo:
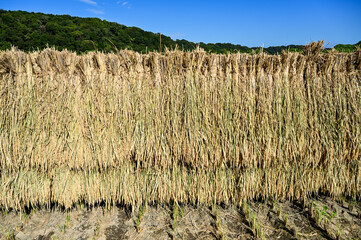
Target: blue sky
(249, 23)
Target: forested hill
(32, 31)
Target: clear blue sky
(249, 23)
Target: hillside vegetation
(347, 47)
(33, 31)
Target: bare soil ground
(320, 218)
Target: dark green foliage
(347, 47)
(32, 31)
(344, 47)
(29, 31)
(279, 49)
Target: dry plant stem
(185, 126)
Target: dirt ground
(319, 218)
